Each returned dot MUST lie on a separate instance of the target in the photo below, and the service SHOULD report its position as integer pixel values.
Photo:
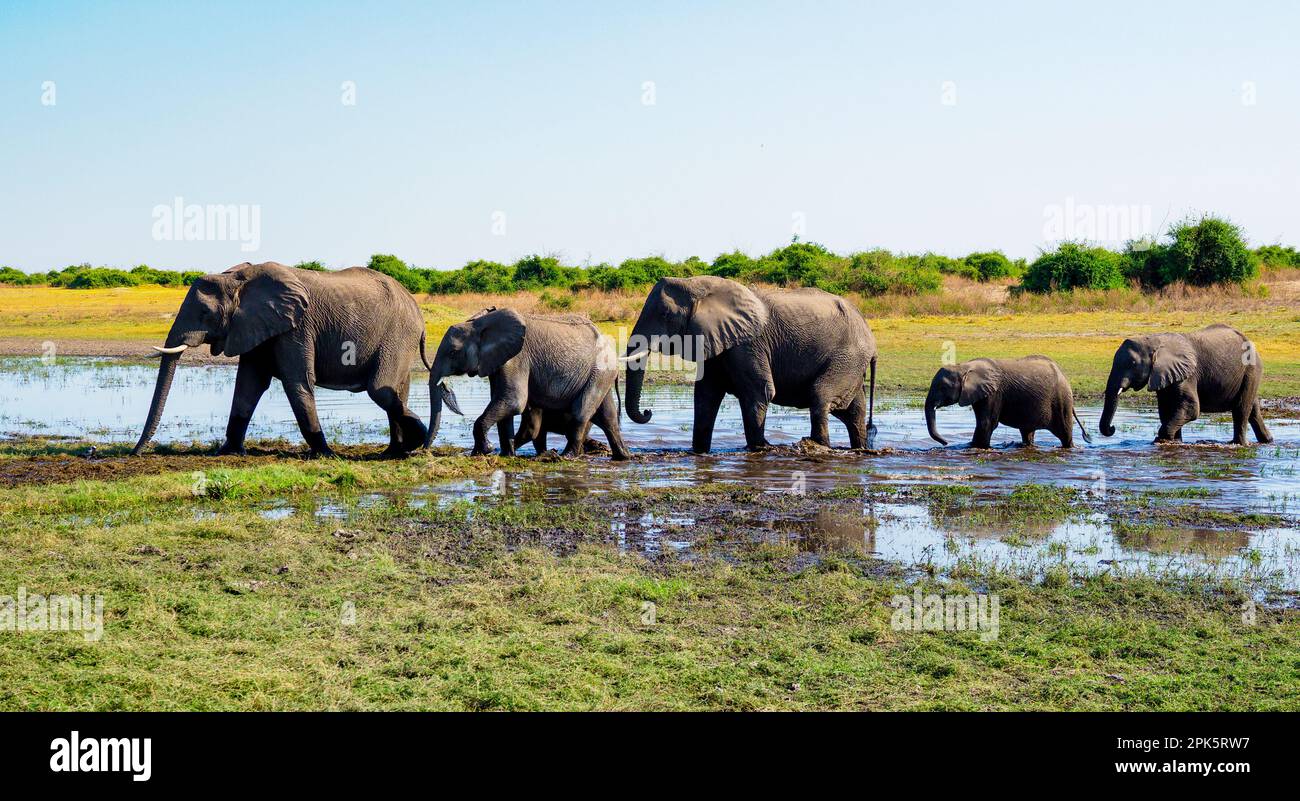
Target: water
(107, 401)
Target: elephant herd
(358, 329)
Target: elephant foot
(231, 450)
(477, 451)
(324, 453)
(394, 453)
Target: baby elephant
(1027, 394)
(557, 363)
(535, 424)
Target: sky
(447, 132)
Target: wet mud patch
(44, 460)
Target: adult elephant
(354, 330)
(1215, 369)
(803, 348)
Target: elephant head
(478, 346)
(695, 318)
(964, 384)
(231, 312)
(1154, 362)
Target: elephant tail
(427, 366)
(1082, 430)
(871, 398)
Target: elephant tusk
(634, 356)
(169, 351)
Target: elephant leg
(531, 428)
(497, 410)
(405, 431)
(985, 423)
(754, 416)
(1262, 434)
(506, 434)
(577, 434)
(1027, 437)
(1177, 409)
(1064, 431)
(854, 419)
(708, 399)
(251, 382)
(303, 402)
(819, 415)
(606, 418)
(1240, 414)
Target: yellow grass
(1080, 330)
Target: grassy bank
(1079, 330)
(211, 605)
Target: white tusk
(177, 349)
(633, 356)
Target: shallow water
(107, 401)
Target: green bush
(12, 277)
(1277, 256)
(314, 266)
(1207, 251)
(1075, 266)
(396, 268)
(994, 264)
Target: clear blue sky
(535, 109)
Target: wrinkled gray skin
(1027, 394)
(1215, 369)
(558, 363)
(803, 348)
(354, 330)
(535, 424)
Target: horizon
(596, 135)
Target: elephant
(354, 329)
(1028, 394)
(535, 423)
(557, 363)
(1215, 369)
(804, 348)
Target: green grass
(210, 605)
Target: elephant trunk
(1113, 388)
(930, 406)
(435, 402)
(166, 372)
(636, 369)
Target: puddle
(105, 401)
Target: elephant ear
(1173, 361)
(501, 337)
(980, 380)
(725, 314)
(269, 300)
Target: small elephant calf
(1027, 394)
(553, 363)
(535, 424)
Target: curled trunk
(635, 378)
(163, 385)
(1106, 427)
(1113, 388)
(435, 402)
(930, 422)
